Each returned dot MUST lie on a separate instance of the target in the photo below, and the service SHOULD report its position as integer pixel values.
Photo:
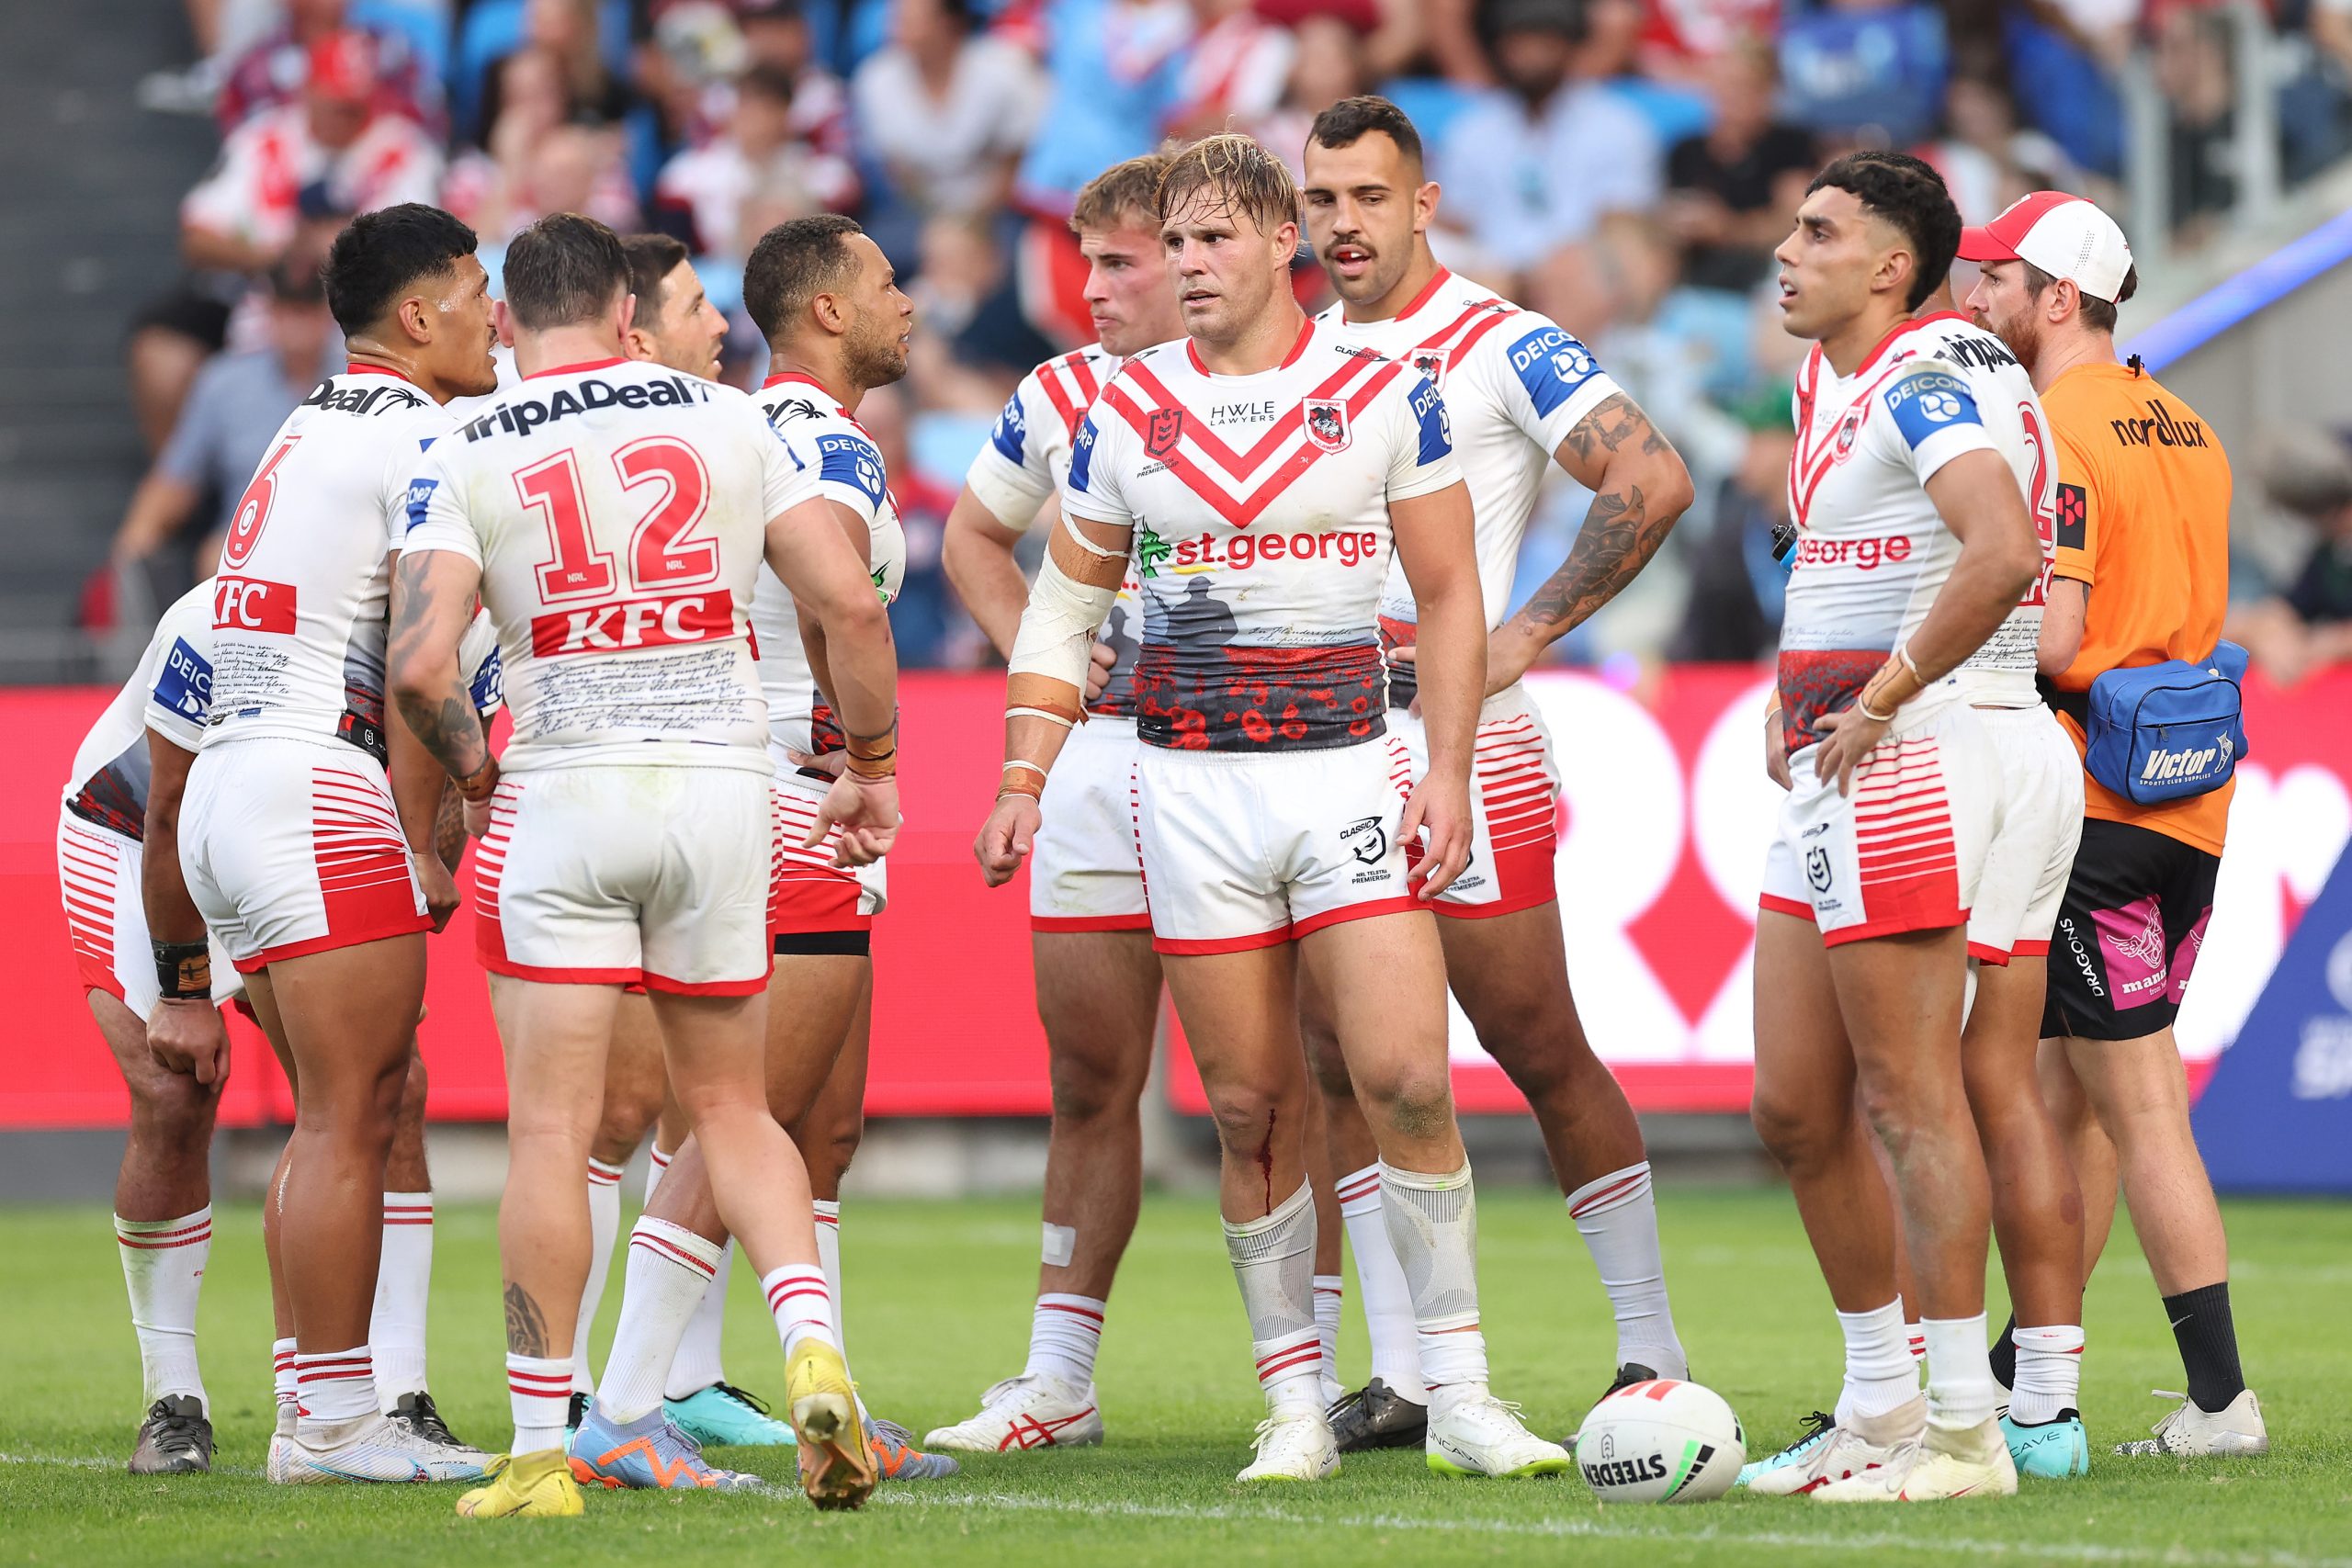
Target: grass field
(938, 1308)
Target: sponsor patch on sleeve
(420, 501)
(851, 460)
(1928, 400)
(183, 685)
(1551, 365)
(2073, 518)
(489, 688)
(1011, 435)
(1082, 455)
(1436, 428)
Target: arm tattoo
(527, 1328)
(446, 722)
(1620, 534)
(450, 828)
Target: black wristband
(183, 970)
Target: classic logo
(1367, 840)
(1431, 363)
(1327, 424)
(1167, 428)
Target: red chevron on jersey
(1070, 386)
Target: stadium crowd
(1622, 165)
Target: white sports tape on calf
(1061, 1245)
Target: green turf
(938, 1308)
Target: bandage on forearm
(1896, 682)
(1068, 604)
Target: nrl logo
(1431, 362)
(1327, 424)
(1167, 427)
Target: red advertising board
(1664, 819)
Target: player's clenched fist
(187, 1036)
(866, 811)
(1440, 807)
(1008, 836)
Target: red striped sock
(538, 1389)
(1064, 1335)
(1290, 1369)
(281, 1373)
(800, 1303)
(336, 1385)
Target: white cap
(2063, 235)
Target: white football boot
(1942, 1463)
(1024, 1413)
(1293, 1445)
(2193, 1433)
(375, 1447)
(1477, 1435)
(281, 1441)
(1869, 1443)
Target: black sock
(2208, 1345)
(2005, 1355)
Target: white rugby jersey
(301, 602)
(171, 693)
(1514, 386)
(2001, 673)
(618, 510)
(1027, 458)
(1259, 505)
(1871, 553)
(825, 439)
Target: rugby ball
(1660, 1441)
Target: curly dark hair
(1899, 190)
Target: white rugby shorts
(293, 847)
(1085, 874)
(1245, 850)
(1905, 850)
(2040, 823)
(607, 874)
(98, 872)
(1514, 807)
(808, 894)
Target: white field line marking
(1595, 1529)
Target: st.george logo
(1167, 429)
(1431, 362)
(1327, 424)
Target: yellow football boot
(531, 1486)
(836, 1465)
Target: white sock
(1961, 1390)
(1065, 1333)
(1617, 1216)
(801, 1304)
(603, 1227)
(1273, 1260)
(403, 1288)
(281, 1373)
(1880, 1375)
(1330, 1293)
(538, 1389)
(1380, 1280)
(2049, 1373)
(669, 1269)
(699, 1362)
(829, 1258)
(1433, 1225)
(339, 1386)
(163, 1265)
(657, 1165)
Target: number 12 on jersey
(662, 554)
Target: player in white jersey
(837, 325)
(613, 516)
(1261, 471)
(1097, 978)
(1915, 541)
(2036, 1201)
(1521, 394)
(129, 774)
(315, 879)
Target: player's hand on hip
(1098, 671)
(185, 1035)
(441, 894)
(1508, 659)
(1006, 839)
(833, 762)
(478, 817)
(1776, 751)
(1402, 658)
(866, 810)
(1848, 737)
(1440, 811)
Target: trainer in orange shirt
(2142, 576)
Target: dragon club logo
(1431, 362)
(1327, 424)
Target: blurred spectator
(971, 318)
(1736, 588)
(775, 33)
(1867, 71)
(1331, 62)
(2194, 72)
(1611, 55)
(569, 30)
(1533, 165)
(1234, 73)
(1735, 190)
(538, 161)
(232, 412)
(701, 192)
(270, 73)
(1680, 37)
(2309, 627)
(1392, 33)
(944, 110)
(1115, 67)
(1986, 159)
